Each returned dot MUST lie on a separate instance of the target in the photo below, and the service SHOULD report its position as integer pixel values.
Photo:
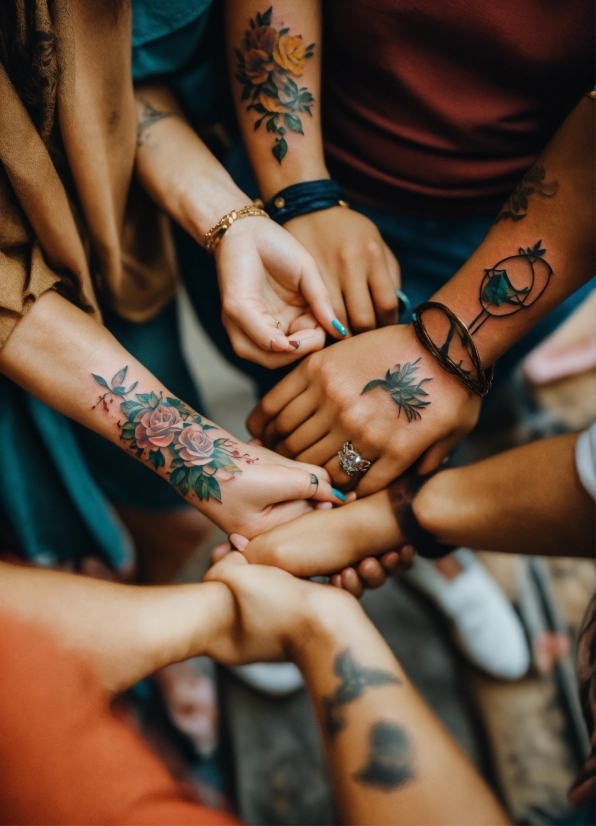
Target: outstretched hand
(276, 307)
(380, 391)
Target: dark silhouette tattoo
(150, 116)
(390, 759)
(354, 680)
(533, 183)
(404, 388)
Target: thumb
(220, 571)
(284, 484)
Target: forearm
(74, 365)
(502, 291)
(275, 65)
(126, 632)
(527, 500)
(176, 168)
(391, 760)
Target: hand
(322, 404)
(344, 545)
(357, 266)
(270, 490)
(275, 611)
(265, 277)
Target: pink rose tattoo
(158, 427)
(168, 434)
(194, 446)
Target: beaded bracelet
(304, 198)
(215, 236)
(483, 379)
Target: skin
(359, 271)
(248, 613)
(265, 275)
(494, 504)
(317, 407)
(53, 352)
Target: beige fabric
(69, 217)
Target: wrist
(327, 614)
(438, 505)
(205, 209)
(299, 171)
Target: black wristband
(303, 198)
(402, 493)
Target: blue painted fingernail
(339, 327)
(338, 494)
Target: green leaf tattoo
(169, 434)
(267, 61)
(404, 388)
(533, 183)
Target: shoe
(274, 679)
(486, 628)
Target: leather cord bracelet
(477, 378)
(304, 198)
(402, 494)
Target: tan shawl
(70, 219)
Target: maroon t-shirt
(438, 107)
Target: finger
(322, 453)
(275, 355)
(274, 402)
(371, 572)
(315, 292)
(361, 311)
(384, 297)
(350, 581)
(390, 562)
(279, 483)
(294, 414)
(393, 267)
(335, 580)
(381, 474)
(238, 541)
(305, 435)
(219, 571)
(436, 454)
(259, 325)
(220, 551)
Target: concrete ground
(520, 735)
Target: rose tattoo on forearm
(266, 62)
(167, 433)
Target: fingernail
(277, 347)
(238, 541)
(295, 344)
(339, 327)
(338, 494)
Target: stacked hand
(321, 404)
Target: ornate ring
(351, 461)
(314, 480)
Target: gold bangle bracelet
(215, 236)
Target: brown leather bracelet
(402, 493)
(482, 381)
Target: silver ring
(278, 323)
(314, 480)
(351, 461)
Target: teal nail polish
(339, 327)
(338, 494)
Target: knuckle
(374, 249)
(362, 322)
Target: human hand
(358, 547)
(358, 268)
(265, 277)
(274, 611)
(342, 394)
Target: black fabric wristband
(402, 493)
(303, 198)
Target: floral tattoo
(404, 388)
(266, 62)
(532, 183)
(166, 430)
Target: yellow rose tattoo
(266, 63)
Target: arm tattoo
(533, 183)
(390, 759)
(165, 432)
(266, 62)
(354, 681)
(149, 116)
(403, 389)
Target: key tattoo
(266, 63)
(166, 432)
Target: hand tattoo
(354, 680)
(390, 761)
(161, 430)
(266, 62)
(148, 118)
(401, 386)
(532, 183)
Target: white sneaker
(275, 679)
(485, 625)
